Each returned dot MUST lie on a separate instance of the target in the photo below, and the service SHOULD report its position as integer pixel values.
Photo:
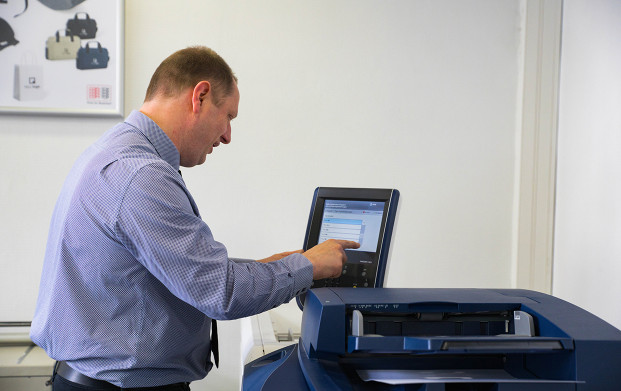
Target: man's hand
(329, 257)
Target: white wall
(587, 252)
(415, 95)
(420, 96)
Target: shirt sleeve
(158, 222)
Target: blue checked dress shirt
(132, 275)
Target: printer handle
(390, 344)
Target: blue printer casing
(442, 339)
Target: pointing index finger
(348, 244)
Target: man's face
(213, 126)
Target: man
(132, 276)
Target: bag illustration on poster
(62, 47)
(85, 28)
(92, 58)
(7, 36)
(28, 80)
(60, 5)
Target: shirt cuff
(301, 270)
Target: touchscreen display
(359, 221)
(366, 216)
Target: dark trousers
(62, 384)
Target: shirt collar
(156, 136)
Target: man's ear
(200, 95)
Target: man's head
(193, 97)
(185, 68)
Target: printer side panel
(323, 323)
(598, 364)
(596, 355)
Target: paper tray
(408, 376)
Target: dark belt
(74, 376)
(68, 373)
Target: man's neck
(170, 114)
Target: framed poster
(61, 56)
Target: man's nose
(226, 137)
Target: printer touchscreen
(361, 215)
(359, 221)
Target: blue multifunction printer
(356, 338)
(442, 339)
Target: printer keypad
(352, 275)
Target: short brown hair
(186, 68)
